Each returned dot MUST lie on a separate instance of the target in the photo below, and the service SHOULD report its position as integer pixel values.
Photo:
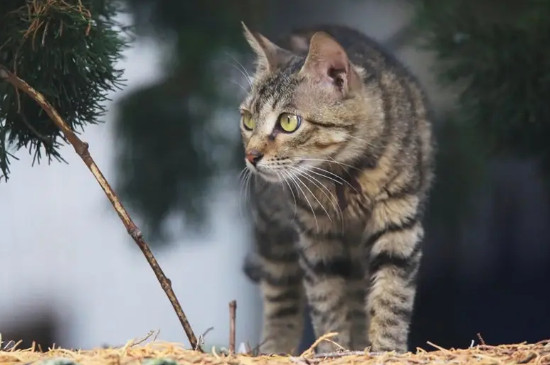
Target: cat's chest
(342, 202)
(352, 201)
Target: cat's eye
(289, 122)
(248, 122)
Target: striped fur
(338, 203)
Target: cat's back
(361, 49)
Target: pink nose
(253, 156)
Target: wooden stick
(481, 340)
(232, 320)
(81, 149)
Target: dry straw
(134, 353)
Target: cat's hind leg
(279, 275)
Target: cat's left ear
(270, 56)
(328, 64)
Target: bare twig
(81, 149)
(11, 345)
(200, 342)
(481, 340)
(256, 350)
(147, 336)
(232, 319)
(437, 346)
(311, 350)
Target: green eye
(248, 122)
(289, 122)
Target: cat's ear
(328, 64)
(299, 44)
(270, 56)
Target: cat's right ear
(328, 65)
(270, 56)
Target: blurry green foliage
(67, 51)
(169, 133)
(496, 54)
(461, 161)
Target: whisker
(239, 67)
(343, 181)
(325, 160)
(243, 172)
(370, 144)
(295, 179)
(316, 182)
(339, 177)
(291, 190)
(249, 177)
(239, 85)
(326, 176)
(242, 190)
(315, 197)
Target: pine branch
(66, 49)
(82, 150)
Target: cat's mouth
(272, 173)
(276, 172)
(266, 173)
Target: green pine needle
(66, 50)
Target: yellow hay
(131, 353)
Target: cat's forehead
(274, 89)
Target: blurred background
(71, 275)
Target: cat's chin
(267, 176)
(262, 172)
(264, 175)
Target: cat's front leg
(283, 304)
(327, 268)
(275, 267)
(394, 257)
(282, 291)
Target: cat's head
(302, 111)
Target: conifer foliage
(497, 55)
(65, 49)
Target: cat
(337, 138)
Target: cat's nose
(254, 156)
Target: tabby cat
(338, 140)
